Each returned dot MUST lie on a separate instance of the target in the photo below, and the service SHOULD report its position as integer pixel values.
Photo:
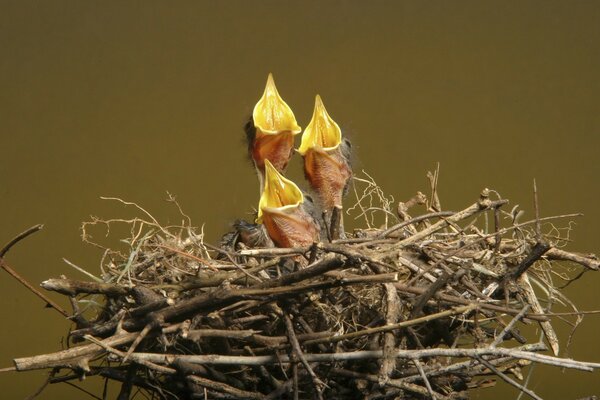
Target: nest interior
(425, 305)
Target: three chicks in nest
(289, 217)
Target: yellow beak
(279, 195)
(271, 114)
(322, 132)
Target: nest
(407, 307)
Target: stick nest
(427, 306)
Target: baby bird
(326, 160)
(283, 211)
(270, 131)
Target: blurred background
(134, 99)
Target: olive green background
(133, 99)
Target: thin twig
(425, 380)
(508, 379)
(510, 325)
(317, 383)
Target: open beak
(281, 210)
(326, 164)
(322, 132)
(280, 195)
(275, 126)
(271, 114)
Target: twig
(70, 357)
(507, 379)
(590, 261)
(392, 382)
(538, 250)
(317, 383)
(536, 209)
(459, 300)
(370, 354)
(22, 280)
(422, 300)
(71, 287)
(412, 221)
(391, 327)
(425, 380)
(39, 294)
(19, 237)
(483, 204)
(510, 325)
(392, 314)
(142, 335)
(537, 308)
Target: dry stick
(498, 239)
(232, 260)
(142, 335)
(71, 287)
(437, 371)
(317, 383)
(537, 308)
(483, 204)
(425, 380)
(485, 237)
(515, 353)
(19, 237)
(295, 380)
(188, 255)
(540, 247)
(413, 221)
(422, 300)
(222, 297)
(536, 208)
(393, 383)
(279, 391)
(223, 387)
(43, 386)
(198, 334)
(22, 280)
(403, 207)
(250, 335)
(507, 379)
(218, 386)
(391, 327)
(388, 363)
(70, 357)
(510, 325)
(590, 262)
(150, 307)
(264, 372)
(210, 279)
(325, 264)
(356, 255)
(459, 300)
(538, 250)
(415, 268)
